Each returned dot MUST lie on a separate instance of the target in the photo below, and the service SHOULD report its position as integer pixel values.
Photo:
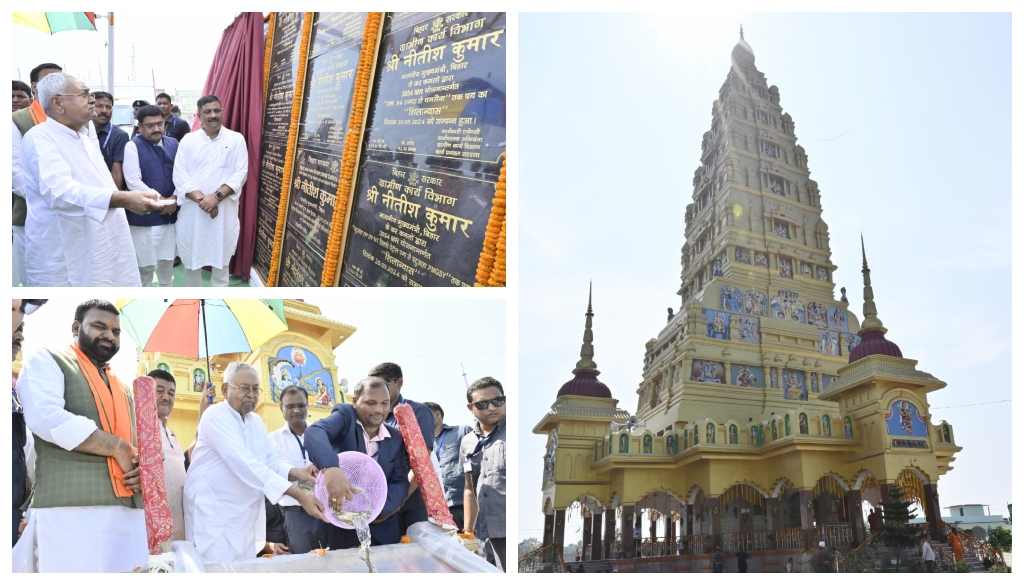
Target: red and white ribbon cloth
(419, 460)
(159, 527)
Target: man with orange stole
(86, 513)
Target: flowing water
(360, 520)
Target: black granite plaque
(326, 105)
(433, 151)
(277, 113)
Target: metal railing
(835, 534)
(860, 558)
(978, 549)
(533, 561)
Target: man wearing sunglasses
(413, 510)
(483, 458)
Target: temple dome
(874, 343)
(585, 384)
(742, 53)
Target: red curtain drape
(236, 77)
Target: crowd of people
(93, 206)
(237, 491)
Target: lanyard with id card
(467, 466)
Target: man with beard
(360, 427)
(234, 466)
(209, 171)
(149, 167)
(483, 457)
(111, 139)
(290, 439)
(173, 456)
(86, 509)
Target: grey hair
(367, 383)
(52, 85)
(234, 367)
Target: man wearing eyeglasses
(75, 231)
(413, 510)
(149, 166)
(483, 457)
(234, 465)
(290, 439)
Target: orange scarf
(37, 113)
(115, 413)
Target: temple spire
(586, 363)
(741, 32)
(871, 320)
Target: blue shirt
(112, 140)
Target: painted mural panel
(817, 314)
(755, 303)
(671, 444)
(785, 267)
(648, 444)
(904, 420)
(814, 382)
(794, 383)
(708, 371)
(773, 376)
(742, 255)
(848, 427)
(781, 229)
(299, 366)
(788, 306)
(757, 435)
(828, 342)
(803, 424)
(717, 323)
(198, 379)
(747, 327)
(822, 274)
(761, 259)
(623, 443)
(827, 380)
(826, 425)
(734, 435)
(709, 434)
(837, 318)
(746, 376)
(806, 269)
(730, 298)
(852, 341)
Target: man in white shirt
(174, 457)
(290, 438)
(234, 466)
(149, 166)
(209, 171)
(927, 554)
(75, 231)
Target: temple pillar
(883, 489)
(854, 515)
(638, 525)
(933, 513)
(559, 534)
(688, 517)
(628, 544)
(716, 518)
(549, 529)
(771, 504)
(609, 533)
(595, 549)
(587, 519)
(807, 517)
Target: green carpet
(179, 278)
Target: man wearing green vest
(85, 512)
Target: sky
(172, 65)
(906, 120)
(430, 339)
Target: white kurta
(79, 538)
(174, 479)
(234, 465)
(72, 237)
(152, 243)
(204, 165)
(17, 184)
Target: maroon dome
(585, 384)
(874, 343)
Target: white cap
(822, 544)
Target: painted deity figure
(198, 377)
(710, 433)
(803, 424)
(716, 269)
(848, 427)
(794, 388)
(906, 417)
(822, 274)
(323, 397)
(718, 325)
(774, 376)
(623, 443)
(760, 259)
(733, 438)
(805, 269)
(785, 269)
(814, 382)
(648, 444)
(826, 425)
(838, 319)
(745, 377)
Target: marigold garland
(367, 57)
(289, 155)
(267, 53)
(495, 233)
(498, 273)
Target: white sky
(906, 122)
(170, 46)
(429, 339)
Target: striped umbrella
(55, 22)
(200, 328)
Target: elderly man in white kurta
(234, 466)
(75, 231)
(210, 168)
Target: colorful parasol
(55, 22)
(200, 328)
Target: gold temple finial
(871, 320)
(586, 363)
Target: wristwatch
(220, 196)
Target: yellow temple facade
(769, 413)
(304, 355)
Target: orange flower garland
(289, 155)
(267, 51)
(495, 233)
(367, 56)
(498, 273)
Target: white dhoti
(93, 539)
(155, 247)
